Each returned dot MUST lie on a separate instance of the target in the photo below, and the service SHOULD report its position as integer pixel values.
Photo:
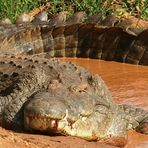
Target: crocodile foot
(143, 127)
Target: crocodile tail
(85, 40)
(91, 41)
(97, 38)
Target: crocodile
(48, 95)
(106, 40)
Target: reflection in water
(127, 83)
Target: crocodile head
(74, 110)
(58, 113)
(75, 113)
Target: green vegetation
(139, 8)
(12, 8)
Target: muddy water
(127, 83)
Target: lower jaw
(62, 127)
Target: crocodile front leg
(28, 82)
(136, 118)
(143, 126)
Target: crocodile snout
(48, 111)
(43, 112)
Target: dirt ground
(10, 139)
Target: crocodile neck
(85, 40)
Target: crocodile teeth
(53, 124)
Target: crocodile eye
(80, 89)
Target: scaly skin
(58, 97)
(86, 40)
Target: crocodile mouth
(43, 123)
(59, 126)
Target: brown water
(128, 84)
